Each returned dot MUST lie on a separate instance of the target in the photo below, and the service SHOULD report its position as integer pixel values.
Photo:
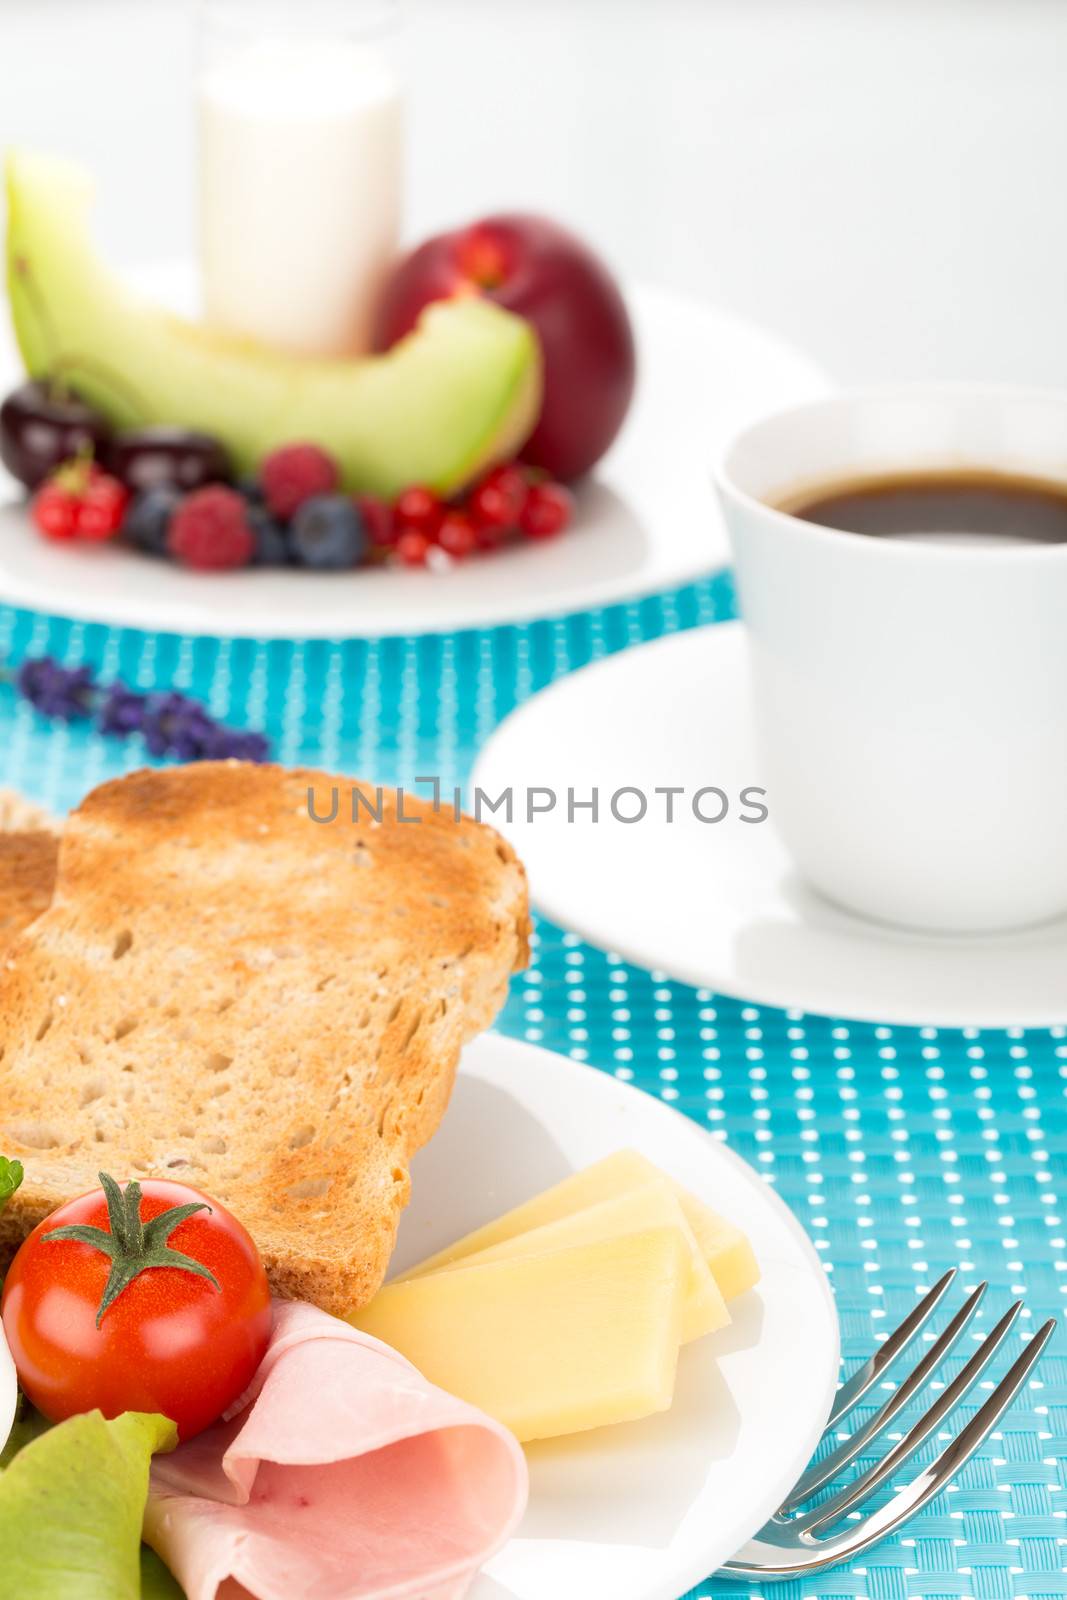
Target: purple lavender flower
(57, 691)
(121, 711)
(172, 724)
(162, 720)
(245, 746)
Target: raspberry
(296, 473)
(210, 530)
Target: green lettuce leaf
(157, 1583)
(28, 1425)
(71, 1506)
(11, 1175)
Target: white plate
(644, 1510)
(646, 522)
(720, 905)
(9, 1391)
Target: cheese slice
(548, 1344)
(653, 1205)
(724, 1247)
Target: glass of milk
(300, 155)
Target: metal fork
(795, 1541)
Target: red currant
(412, 547)
(55, 511)
(498, 500)
(378, 520)
(420, 510)
(548, 510)
(489, 537)
(456, 535)
(102, 507)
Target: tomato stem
(133, 1246)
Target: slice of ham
(344, 1475)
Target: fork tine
(932, 1479)
(957, 1453)
(822, 1472)
(833, 1509)
(785, 1550)
(864, 1378)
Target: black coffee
(976, 506)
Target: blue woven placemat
(903, 1150)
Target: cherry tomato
(178, 1323)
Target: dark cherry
(43, 425)
(168, 458)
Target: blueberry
(271, 539)
(328, 533)
(148, 518)
(251, 490)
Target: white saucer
(720, 905)
(647, 521)
(644, 1510)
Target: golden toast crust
(27, 874)
(226, 992)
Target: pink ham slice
(344, 1476)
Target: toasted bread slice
(271, 1008)
(27, 873)
(17, 813)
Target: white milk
(300, 156)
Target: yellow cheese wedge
(549, 1344)
(724, 1247)
(653, 1205)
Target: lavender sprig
(64, 692)
(171, 724)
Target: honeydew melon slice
(461, 391)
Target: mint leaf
(11, 1175)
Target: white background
(883, 181)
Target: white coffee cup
(911, 697)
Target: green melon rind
(459, 393)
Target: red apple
(540, 271)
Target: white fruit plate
(643, 1510)
(646, 520)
